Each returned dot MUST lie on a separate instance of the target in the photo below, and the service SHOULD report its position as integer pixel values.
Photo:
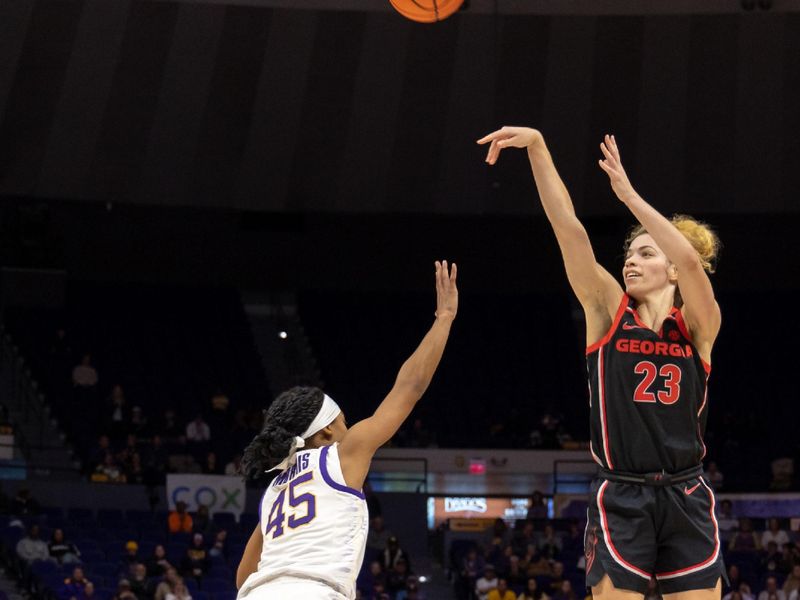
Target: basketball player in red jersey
(651, 513)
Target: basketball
(426, 11)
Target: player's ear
(672, 273)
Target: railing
(384, 475)
(25, 391)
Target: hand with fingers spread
(509, 137)
(446, 291)
(612, 165)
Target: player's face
(646, 267)
(339, 427)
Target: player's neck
(655, 306)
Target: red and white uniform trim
(714, 555)
(607, 536)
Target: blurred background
(203, 203)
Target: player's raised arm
(595, 288)
(700, 308)
(365, 437)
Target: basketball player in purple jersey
(651, 512)
(310, 539)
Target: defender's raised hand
(509, 137)
(446, 291)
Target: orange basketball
(426, 11)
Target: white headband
(326, 415)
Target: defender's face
(646, 267)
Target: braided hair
(288, 416)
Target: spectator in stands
(124, 591)
(472, 566)
(792, 582)
(774, 533)
(134, 472)
(535, 564)
(154, 461)
(196, 561)
(550, 543)
(396, 577)
(140, 583)
(572, 544)
(157, 564)
(167, 583)
(89, 592)
(378, 535)
(498, 533)
(566, 592)
(131, 556)
(516, 576)
(24, 504)
(714, 476)
(734, 577)
(523, 538)
(62, 551)
(181, 593)
(180, 521)
(32, 547)
(742, 593)
(393, 554)
(538, 507)
(745, 540)
(773, 561)
(487, 583)
(557, 569)
(220, 545)
(501, 592)
(232, 468)
(74, 585)
(201, 522)
(373, 575)
(169, 429)
(411, 591)
(109, 471)
(118, 415)
(198, 438)
(138, 425)
(101, 451)
(727, 522)
(532, 591)
(771, 590)
(219, 418)
(84, 375)
(210, 466)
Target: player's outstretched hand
(612, 165)
(446, 291)
(509, 137)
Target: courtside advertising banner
(220, 493)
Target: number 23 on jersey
(671, 375)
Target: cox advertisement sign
(219, 493)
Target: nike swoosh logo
(688, 491)
(627, 326)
